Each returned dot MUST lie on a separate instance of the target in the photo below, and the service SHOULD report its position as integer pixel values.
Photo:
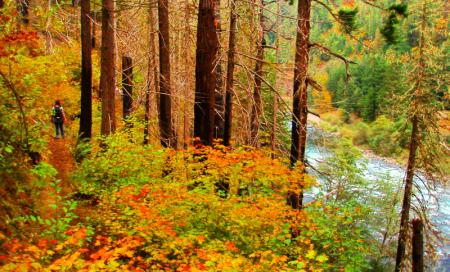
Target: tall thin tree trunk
(402, 236)
(94, 25)
(147, 108)
(273, 136)
(2, 3)
(258, 73)
(107, 70)
(230, 75)
(186, 74)
(220, 99)
(85, 130)
(205, 84)
(152, 73)
(417, 246)
(273, 133)
(300, 106)
(413, 146)
(127, 86)
(168, 138)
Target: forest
(224, 135)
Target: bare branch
(336, 55)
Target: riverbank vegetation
(383, 137)
(192, 130)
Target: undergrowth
(209, 209)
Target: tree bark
(413, 146)
(257, 104)
(186, 126)
(94, 23)
(85, 130)
(417, 246)
(127, 85)
(107, 70)
(168, 138)
(219, 104)
(219, 100)
(401, 246)
(273, 135)
(151, 69)
(206, 58)
(230, 75)
(300, 106)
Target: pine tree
(230, 75)
(168, 138)
(205, 76)
(422, 107)
(127, 86)
(85, 130)
(300, 96)
(107, 70)
(258, 74)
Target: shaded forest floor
(62, 160)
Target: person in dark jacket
(58, 118)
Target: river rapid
(377, 168)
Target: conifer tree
(85, 130)
(107, 70)
(205, 76)
(168, 138)
(426, 77)
(230, 75)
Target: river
(378, 168)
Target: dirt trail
(61, 158)
(63, 161)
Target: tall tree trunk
(107, 70)
(23, 7)
(2, 3)
(273, 133)
(413, 146)
(94, 25)
(417, 246)
(152, 72)
(220, 99)
(402, 235)
(258, 73)
(273, 136)
(168, 138)
(230, 75)
(85, 130)
(186, 86)
(300, 106)
(127, 85)
(205, 76)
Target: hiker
(58, 118)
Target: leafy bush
(388, 138)
(199, 209)
(361, 135)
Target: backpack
(58, 116)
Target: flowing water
(378, 168)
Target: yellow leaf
(311, 254)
